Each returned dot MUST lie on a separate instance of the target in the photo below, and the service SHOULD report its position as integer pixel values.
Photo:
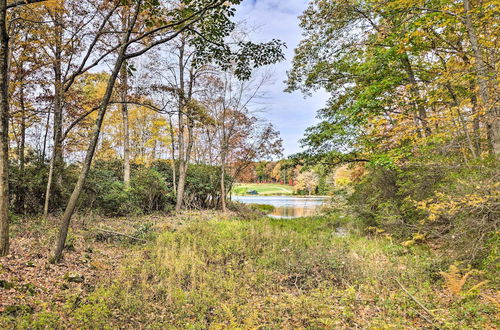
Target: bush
(150, 190)
(117, 200)
(202, 184)
(27, 191)
(104, 190)
(454, 206)
(32, 184)
(106, 193)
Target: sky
(291, 113)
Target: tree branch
(79, 119)
(82, 68)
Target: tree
(484, 74)
(4, 120)
(307, 180)
(406, 77)
(414, 93)
(25, 68)
(277, 172)
(262, 143)
(204, 19)
(72, 35)
(227, 100)
(124, 109)
(197, 84)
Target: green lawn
(263, 188)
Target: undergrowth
(275, 274)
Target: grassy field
(263, 188)
(228, 273)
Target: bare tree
(229, 100)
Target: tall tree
(401, 75)
(124, 109)
(56, 162)
(484, 76)
(228, 101)
(83, 38)
(4, 120)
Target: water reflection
(286, 206)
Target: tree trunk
(182, 157)
(49, 185)
(421, 113)
(70, 208)
(172, 147)
(463, 123)
(56, 162)
(45, 137)
(126, 129)
(492, 112)
(476, 132)
(123, 96)
(223, 155)
(180, 185)
(223, 183)
(153, 151)
(4, 131)
(461, 119)
(183, 165)
(21, 193)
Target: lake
(286, 206)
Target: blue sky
(290, 113)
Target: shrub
(150, 190)
(105, 192)
(202, 184)
(455, 206)
(33, 183)
(117, 200)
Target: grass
(265, 208)
(271, 274)
(263, 188)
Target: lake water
(286, 206)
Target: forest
(142, 185)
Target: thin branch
(214, 5)
(76, 121)
(82, 68)
(146, 105)
(418, 303)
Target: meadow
(262, 188)
(214, 271)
